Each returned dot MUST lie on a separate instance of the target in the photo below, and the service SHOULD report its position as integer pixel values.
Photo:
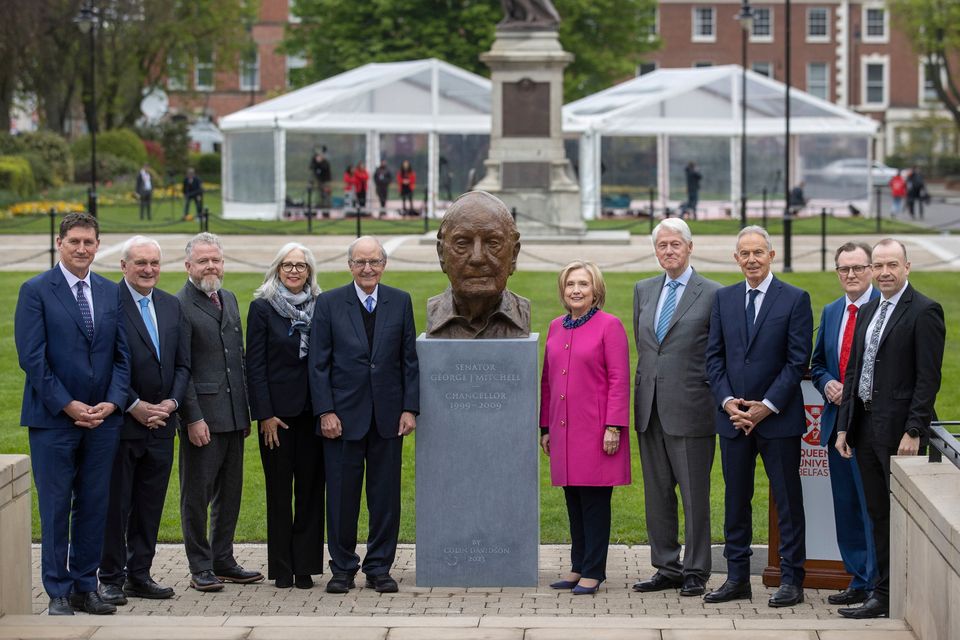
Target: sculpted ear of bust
(477, 245)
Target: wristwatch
(913, 432)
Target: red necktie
(215, 298)
(847, 339)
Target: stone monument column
(527, 167)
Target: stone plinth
(925, 546)
(478, 514)
(15, 587)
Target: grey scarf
(298, 308)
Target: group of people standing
(356, 179)
(912, 190)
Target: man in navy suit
(141, 468)
(365, 388)
(72, 346)
(828, 367)
(757, 353)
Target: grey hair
(383, 252)
(672, 224)
(760, 231)
(138, 241)
(271, 281)
(887, 242)
(202, 238)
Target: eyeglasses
(857, 269)
(290, 267)
(376, 264)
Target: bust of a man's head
(477, 245)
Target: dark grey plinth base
(478, 507)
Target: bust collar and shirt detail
(72, 281)
(683, 279)
(892, 302)
(363, 295)
(763, 287)
(859, 302)
(510, 319)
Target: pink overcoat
(585, 387)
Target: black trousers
(145, 201)
(345, 461)
(589, 511)
(138, 487)
(873, 460)
(382, 195)
(294, 481)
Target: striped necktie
(666, 313)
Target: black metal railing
(943, 443)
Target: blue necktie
(752, 311)
(85, 310)
(666, 313)
(148, 321)
(368, 303)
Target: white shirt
(363, 295)
(684, 280)
(762, 288)
(147, 183)
(72, 281)
(859, 302)
(893, 300)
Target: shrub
(120, 143)
(109, 167)
(155, 155)
(10, 145)
(55, 153)
(175, 138)
(207, 166)
(948, 166)
(16, 175)
(42, 171)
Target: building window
(292, 16)
(762, 25)
(704, 24)
(176, 74)
(654, 25)
(875, 81)
(250, 71)
(763, 68)
(646, 67)
(203, 71)
(702, 64)
(928, 92)
(874, 24)
(818, 80)
(818, 25)
(296, 71)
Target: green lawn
(628, 509)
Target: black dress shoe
(340, 583)
(693, 586)
(92, 603)
(872, 608)
(59, 607)
(112, 594)
(146, 589)
(205, 581)
(849, 596)
(303, 582)
(658, 582)
(787, 595)
(730, 590)
(382, 583)
(238, 574)
(284, 582)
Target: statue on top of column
(529, 15)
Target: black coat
(277, 380)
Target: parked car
(855, 169)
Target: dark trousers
(362, 198)
(854, 532)
(345, 461)
(589, 511)
(382, 195)
(145, 201)
(294, 480)
(873, 460)
(781, 461)
(71, 468)
(211, 477)
(138, 487)
(198, 202)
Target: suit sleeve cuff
(132, 405)
(770, 406)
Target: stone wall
(14, 534)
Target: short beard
(209, 284)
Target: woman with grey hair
(278, 336)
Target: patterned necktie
(751, 312)
(368, 303)
(865, 390)
(85, 309)
(215, 298)
(847, 342)
(148, 321)
(666, 313)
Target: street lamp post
(787, 214)
(87, 23)
(745, 17)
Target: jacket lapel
(898, 312)
(654, 289)
(769, 299)
(383, 301)
(693, 290)
(354, 313)
(132, 309)
(68, 300)
(204, 303)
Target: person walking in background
(159, 374)
(382, 178)
(360, 179)
(584, 418)
(322, 176)
(144, 191)
(831, 354)
(278, 340)
(407, 181)
(675, 411)
(192, 192)
(916, 193)
(694, 177)
(898, 191)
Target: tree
(933, 27)
(608, 37)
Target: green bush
(109, 167)
(16, 175)
(207, 166)
(120, 143)
(42, 171)
(175, 138)
(10, 145)
(55, 152)
(948, 166)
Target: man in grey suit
(674, 411)
(214, 419)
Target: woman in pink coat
(584, 415)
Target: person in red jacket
(360, 179)
(898, 191)
(407, 180)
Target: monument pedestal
(527, 167)
(478, 497)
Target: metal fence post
(823, 239)
(878, 192)
(53, 235)
(652, 210)
(764, 207)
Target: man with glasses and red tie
(828, 367)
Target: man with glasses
(365, 387)
(830, 357)
(889, 390)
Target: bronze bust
(478, 244)
(533, 15)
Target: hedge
(55, 153)
(119, 143)
(16, 175)
(207, 166)
(109, 167)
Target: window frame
(771, 22)
(201, 67)
(865, 36)
(769, 65)
(865, 63)
(244, 68)
(826, 79)
(698, 37)
(826, 23)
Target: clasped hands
(153, 416)
(745, 415)
(87, 417)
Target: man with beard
(214, 419)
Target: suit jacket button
(228, 369)
(373, 366)
(562, 397)
(747, 361)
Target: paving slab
(317, 633)
(439, 633)
(33, 632)
(180, 632)
(866, 634)
(699, 634)
(595, 634)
